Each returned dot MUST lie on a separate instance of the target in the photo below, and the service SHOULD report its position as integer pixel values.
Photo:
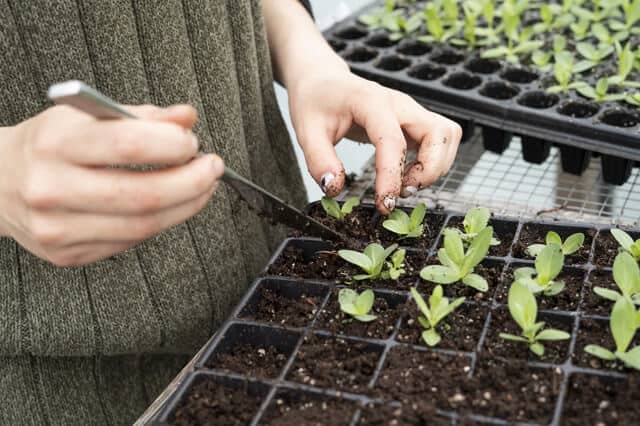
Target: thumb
(182, 115)
(322, 160)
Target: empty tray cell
(304, 258)
(296, 407)
(535, 150)
(593, 331)
(337, 45)
(413, 48)
(351, 33)
(360, 54)
(538, 99)
(607, 248)
(567, 300)
(333, 362)
(387, 308)
(418, 412)
(574, 160)
(599, 400)
(512, 390)
(555, 352)
(490, 269)
(380, 40)
(460, 330)
(393, 63)
(503, 230)
(252, 350)
(447, 57)
(495, 140)
(483, 66)
(579, 109)
(616, 170)
(619, 118)
(203, 398)
(535, 233)
(427, 71)
(409, 375)
(592, 304)
(284, 302)
(499, 90)
(462, 81)
(519, 75)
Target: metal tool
(84, 98)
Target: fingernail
(389, 202)
(409, 191)
(325, 180)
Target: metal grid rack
(510, 186)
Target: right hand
(60, 201)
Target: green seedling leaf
(600, 352)
(477, 250)
(400, 223)
(627, 243)
(631, 358)
(537, 348)
(553, 334)
(623, 323)
(395, 268)
(476, 220)
(440, 274)
(626, 274)
(357, 306)
(605, 293)
(438, 308)
(371, 261)
(573, 243)
(476, 281)
(453, 246)
(332, 208)
(549, 264)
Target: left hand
(335, 104)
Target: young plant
(395, 268)
(548, 265)
(490, 33)
(450, 12)
(627, 243)
(519, 41)
(438, 32)
(601, 10)
(406, 226)
(631, 14)
(332, 208)
(626, 60)
(406, 27)
(605, 37)
(572, 244)
(371, 261)
(593, 55)
(563, 70)
(542, 60)
(551, 19)
(633, 99)
(524, 310)
(623, 324)
(458, 264)
(438, 308)
(469, 35)
(581, 28)
(383, 17)
(357, 305)
(475, 221)
(600, 93)
(626, 274)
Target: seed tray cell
(505, 99)
(356, 374)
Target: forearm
(296, 44)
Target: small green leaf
(554, 288)
(507, 336)
(417, 216)
(607, 294)
(553, 238)
(357, 259)
(453, 246)
(622, 238)
(631, 358)
(534, 249)
(626, 274)
(440, 274)
(549, 263)
(553, 334)
(431, 337)
(331, 207)
(347, 296)
(537, 348)
(476, 281)
(396, 226)
(420, 303)
(364, 302)
(477, 250)
(476, 220)
(522, 305)
(573, 243)
(365, 318)
(349, 204)
(623, 323)
(600, 352)
(524, 272)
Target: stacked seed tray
(288, 356)
(506, 99)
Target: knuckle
(146, 227)
(45, 231)
(38, 194)
(125, 147)
(147, 202)
(44, 143)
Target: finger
(182, 115)
(385, 134)
(125, 192)
(84, 254)
(430, 162)
(321, 157)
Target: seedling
(549, 20)
(580, 29)
(450, 12)
(633, 99)
(490, 32)
(371, 261)
(519, 42)
(547, 267)
(357, 305)
(475, 221)
(469, 28)
(627, 243)
(383, 17)
(395, 268)
(600, 93)
(524, 310)
(438, 308)
(406, 226)
(332, 208)
(542, 60)
(563, 70)
(593, 55)
(626, 59)
(631, 14)
(406, 27)
(456, 264)
(571, 245)
(438, 32)
(601, 10)
(626, 274)
(605, 37)
(623, 324)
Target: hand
(60, 201)
(327, 107)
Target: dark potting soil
(419, 413)
(503, 231)
(212, 404)
(511, 390)
(460, 330)
(555, 352)
(273, 308)
(606, 249)
(410, 376)
(335, 363)
(595, 400)
(596, 332)
(292, 263)
(532, 233)
(592, 304)
(491, 271)
(567, 300)
(331, 318)
(257, 361)
(294, 409)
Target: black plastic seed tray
(318, 369)
(504, 99)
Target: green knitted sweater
(96, 344)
